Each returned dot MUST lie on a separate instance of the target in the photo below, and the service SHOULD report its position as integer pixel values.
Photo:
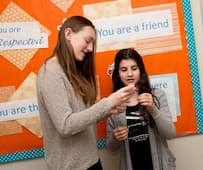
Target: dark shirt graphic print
(138, 137)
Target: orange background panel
(50, 16)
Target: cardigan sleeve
(162, 115)
(111, 142)
(57, 99)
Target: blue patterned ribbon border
(16, 156)
(35, 153)
(193, 64)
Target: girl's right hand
(121, 96)
(120, 133)
(119, 109)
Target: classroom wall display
(161, 30)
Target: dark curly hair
(143, 84)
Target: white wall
(188, 150)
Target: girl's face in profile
(82, 41)
(129, 72)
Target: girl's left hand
(146, 99)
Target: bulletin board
(160, 30)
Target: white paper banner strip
(18, 109)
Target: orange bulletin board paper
(166, 43)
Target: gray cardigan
(68, 124)
(164, 129)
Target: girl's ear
(68, 32)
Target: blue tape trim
(35, 153)
(193, 64)
(16, 156)
(101, 143)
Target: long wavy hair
(143, 85)
(81, 74)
